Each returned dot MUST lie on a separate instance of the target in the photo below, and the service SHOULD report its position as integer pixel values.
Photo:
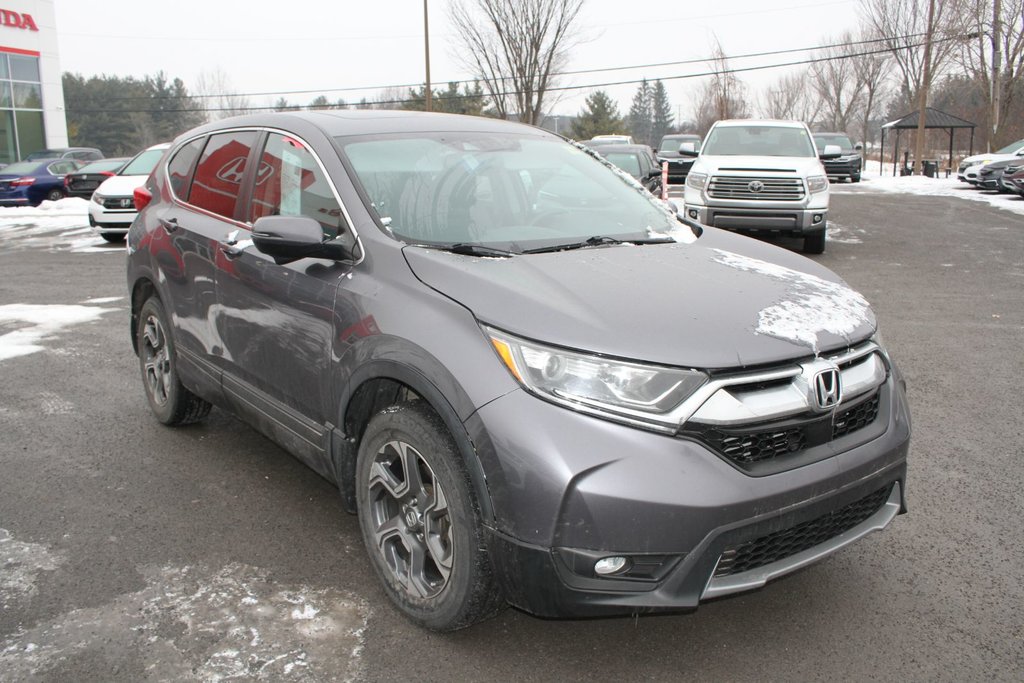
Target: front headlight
(697, 181)
(98, 198)
(621, 390)
(817, 183)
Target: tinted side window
(290, 183)
(179, 170)
(218, 178)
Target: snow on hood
(121, 185)
(812, 305)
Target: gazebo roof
(933, 118)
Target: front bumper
(570, 489)
(849, 168)
(794, 222)
(112, 220)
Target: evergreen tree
(600, 116)
(640, 115)
(319, 102)
(282, 104)
(661, 113)
(470, 101)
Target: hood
(989, 158)
(121, 185)
(801, 166)
(724, 301)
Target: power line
(717, 72)
(652, 65)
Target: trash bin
(930, 168)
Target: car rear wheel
(171, 402)
(112, 236)
(814, 243)
(420, 521)
(54, 195)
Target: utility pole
(922, 94)
(997, 67)
(426, 49)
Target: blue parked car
(28, 183)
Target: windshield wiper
(597, 240)
(468, 249)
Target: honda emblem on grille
(126, 203)
(828, 389)
(755, 186)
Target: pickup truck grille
(757, 189)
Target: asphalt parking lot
(131, 552)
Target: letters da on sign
(16, 20)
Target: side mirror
(831, 152)
(290, 238)
(688, 149)
(858, 147)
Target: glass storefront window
(21, 102)
(24, 68)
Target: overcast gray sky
(291, 45)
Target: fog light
(693, 214)
(607, 566)
(816, 218)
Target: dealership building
(31, 92)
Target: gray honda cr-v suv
(533, 383)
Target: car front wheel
(814, 242)
(420, 521)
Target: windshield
(45, 154)
(143, 163)
(768, 141)
(20, 168)
(506, 191)
(672, 144)
(1010, 149)
(843, 141)
(100, 166)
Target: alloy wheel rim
(156, 361)
(411, 521)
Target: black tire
(855, 178)
(112, 236)
(814, 242)
(55, 195)
(171, 402)
(403, 517)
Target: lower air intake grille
(783, 544)
(852, 419)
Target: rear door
(276, 321)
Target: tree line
(518, 51)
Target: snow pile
(38, 323)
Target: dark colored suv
(534, 383)
(848, 163)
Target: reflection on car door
(275, 320)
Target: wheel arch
(142, 290)
(382, 382)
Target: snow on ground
(20, 566)
(882, 180)
(192, 623)
(57, 226)
(36, 323)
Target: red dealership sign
(17, 20)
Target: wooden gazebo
(933, 119)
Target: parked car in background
(849, 163)
(969, 175)
(678, 164)
(112, 206)
(636, 160)
(1012, 179)
(534, 384)
(85, 180)
(28, 183)
(77, 153)
(613, 139)
(990, 174)
(1012, 151)
(763, 177)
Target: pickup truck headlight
(697, 181)
(620, 390)
(817, 183)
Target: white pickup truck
(760, 176)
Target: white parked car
(112, 207)
(973, 163)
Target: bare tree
(976, 55)
(835, 82)
(218, 97)
(902, 25)
(871, 71)
(788, 98)
(515, 47)
(723, 95)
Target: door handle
(170, 225)
(232, 246)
